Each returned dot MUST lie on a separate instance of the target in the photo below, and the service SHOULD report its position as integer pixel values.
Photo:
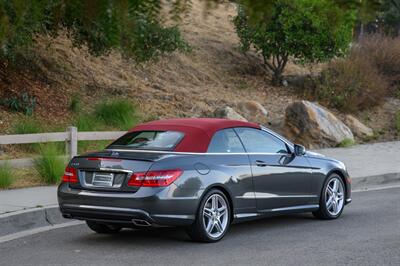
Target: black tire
(322, 212)
(197, 231)
(103, 228)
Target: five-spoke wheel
(212, 219)
(332, 198)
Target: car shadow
(164, 235)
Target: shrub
(350, 85)
(6, 176)
(49, 165)
(25, 103)
(382, 51)
(346, 143)
(119, 113)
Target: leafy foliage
(25, 103)
(307, 30)
(131, 26)
(390, 16)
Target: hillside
(215, 73)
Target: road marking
(375, 188)
(37, 230)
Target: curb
(365, 183)
(14, 222)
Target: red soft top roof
(198, 131)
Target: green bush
(6, 176)
(49, 165)
(346, 143)
(306, 30)
(118, 113)
(132, 27)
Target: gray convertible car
(203, 174)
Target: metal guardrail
(70, 137)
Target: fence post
(73, 142)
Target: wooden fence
(70, 137)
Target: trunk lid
(111, 170)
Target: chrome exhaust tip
(140, 222)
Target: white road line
(375, 188)
(37, 230)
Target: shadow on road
(165, 235)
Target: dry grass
(26, 177)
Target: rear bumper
(156, 206)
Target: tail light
(160, 178)
(70, 175)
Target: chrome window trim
(199, 153)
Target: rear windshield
(148, 140)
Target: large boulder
(252, 110)
(314, 126)
(358, 128)
(228, 113)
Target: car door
(228, 159)
(281, 179)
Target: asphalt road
(368, 233)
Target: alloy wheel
(334, 196)
(215, 215)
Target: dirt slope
(215, 73)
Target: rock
(253, 111)
(228, 113)
(314, 126)
(358, 128)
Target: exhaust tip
(140, 222)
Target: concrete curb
(364, 183)
(14, 222)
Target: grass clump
(6, 176)
(87, 122)
(27, 125)
(49, 165)
(346, 143)
(75, 104)
(119, 113)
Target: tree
(307, 30)
(390, 16)
(132, 26)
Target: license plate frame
(102, 179)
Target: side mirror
(299, 150)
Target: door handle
(261, 163)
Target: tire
(211, 224)
(332, 199)
(103, 228)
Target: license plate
(103, 179)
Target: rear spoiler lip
(117, 158)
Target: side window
(256, 140)
(225, 141)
